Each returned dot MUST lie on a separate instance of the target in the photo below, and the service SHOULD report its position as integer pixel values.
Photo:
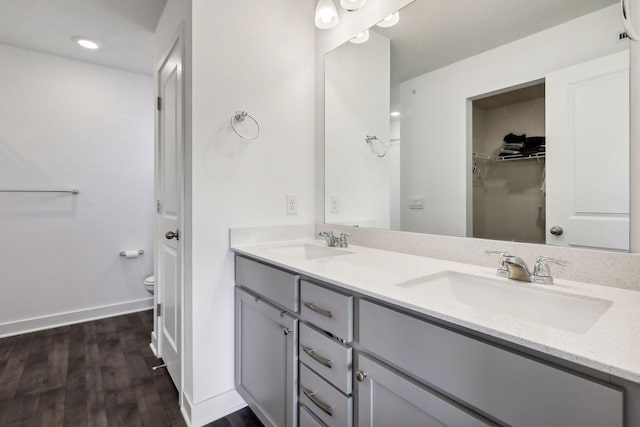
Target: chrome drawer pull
(311, 395)
(312, 306)
(321, 360)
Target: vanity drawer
(327, 403)
(307, 419)
(327, 309)
(276, 285)
(515, 389)
(327, 357)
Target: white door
(587, 130)
(170, 192)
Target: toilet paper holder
(124, 253)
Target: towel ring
(374, 140)
(239, 117)
(626, 20)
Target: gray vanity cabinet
(387, 398)
(512, 388)
(266, 360)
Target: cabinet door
(386, 398)
(266, 360)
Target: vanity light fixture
(389, 21)
(352, 5)
(86, 43)
(326, 14)
(360, 37)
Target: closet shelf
(509, 158)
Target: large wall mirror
(496, 119)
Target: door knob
(556, 230)
(172, 235)
(361, 375)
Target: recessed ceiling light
(389, 21)
(395, 114)
(360, 37)
(86, 43)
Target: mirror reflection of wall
(463, 77)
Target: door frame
(176, 41)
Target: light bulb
(395, 114)
(360, 37)
(326, 14)
(389, 21)
(86, 43)
(352, 5)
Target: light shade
(360, 37)
(389, 21)
(352, 5)
(326, 14)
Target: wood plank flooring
(91, 374)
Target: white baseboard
(211, 409)
(62, 319)
(154, 343)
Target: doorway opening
(508, 158)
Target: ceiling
(435, 33)
(124, 28)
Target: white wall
(357, 86)
(256, 56)
(435, 118)
(65, 123)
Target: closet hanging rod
(72, 191)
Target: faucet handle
(558, 261)
(503, 271)
(542, 272)
(342, 240)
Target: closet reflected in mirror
(459, 120)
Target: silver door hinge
(159, 103)
(158, 310)
(158, 206)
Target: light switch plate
(334, 204)
(292, 204)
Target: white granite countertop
(610, 345)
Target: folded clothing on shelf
(520, 145)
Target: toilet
(149, 284)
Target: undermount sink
(541, 305)
(307, 251)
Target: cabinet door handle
(321, 360)
(312, 306)
(320, 404)
(286, 331)
(361, 375)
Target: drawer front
(307, 419)
(327, 403)
(326, 309)
(512, 388)
(276, 285)
(327, 357)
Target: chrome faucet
(335, 242)
(514, 267)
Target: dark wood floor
(91, 374)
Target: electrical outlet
(292, 204)
(334, 204)
(416, 202)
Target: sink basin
(307, 251)
(541, 305)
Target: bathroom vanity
(366, 337)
